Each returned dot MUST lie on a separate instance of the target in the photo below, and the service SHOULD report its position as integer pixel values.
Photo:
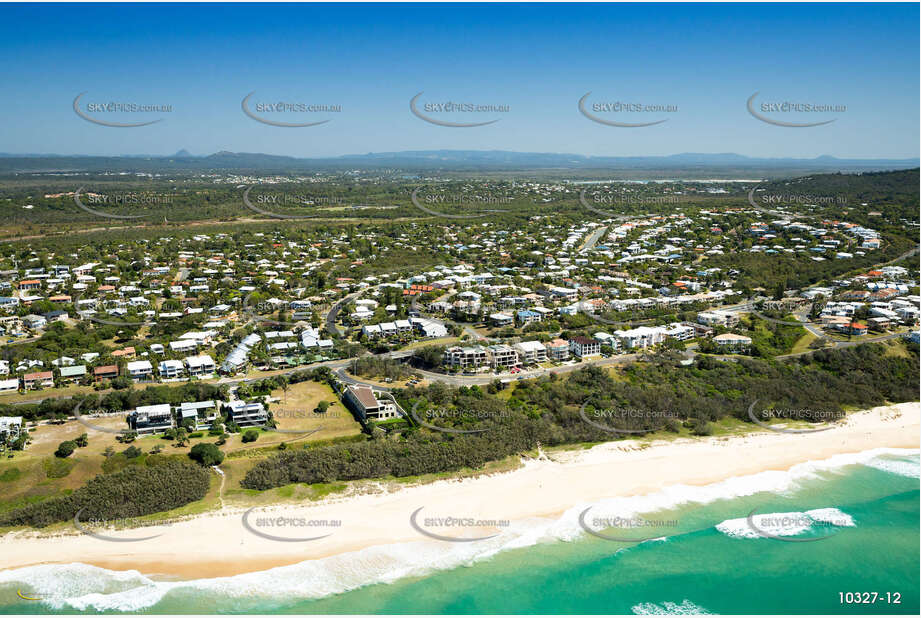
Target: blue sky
(538, 59)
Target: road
(592, 239)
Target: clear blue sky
(538, 59)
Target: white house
(139, 371)
(200, 365)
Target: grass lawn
(294, 410)
(802, 344)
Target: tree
(132, 451)
(206, 454)
(82, 440)
(322, 407)
(65, 449)
(250, 435)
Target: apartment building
(584, 347)
(365, 402)
(471, 357)
(151, 419)
(531, 352)
(557, 350)
(502, 355)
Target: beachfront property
(470, 357)
(502, 355)
(732, 342)
(641, 337)
(557, 350)
(198, 414)
(10, 429)
(585, 347)
(716, 317)
(151, 419)
(365, 402)
(244, 414)
(531, 352)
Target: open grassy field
(36, 474)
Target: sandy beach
(219, 544)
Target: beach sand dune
(219, 544)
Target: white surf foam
(88, 588)
(668, 608)
(783, 524)
(902, 467)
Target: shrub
(82, 440)
(131, 492)
(206, 454)
(65, 449)
(702, 428)
(250, 435)
(132, 451)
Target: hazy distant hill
(687, 164)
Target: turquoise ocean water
(705, 558)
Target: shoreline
(218, 544)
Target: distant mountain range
(446, 160)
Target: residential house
(367, 405)
(199, 414)
(584, 347)
(105, 372)
(10, 429)
(732, 341)
(151, 419)
(140, 371)
(201, 365)
(244, 414)
(40, 379)
(170, 369)
(73, 373)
